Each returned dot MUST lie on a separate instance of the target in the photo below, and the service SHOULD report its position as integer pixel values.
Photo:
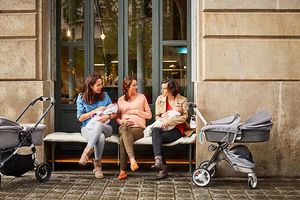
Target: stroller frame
(207, 169)
(42, 170)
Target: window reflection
(140, 44)
(174, 19)
(72, 53)
(175, 65)
(106, 45)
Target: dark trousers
(159, 137)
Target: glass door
(87, 42)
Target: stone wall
(23, 61)
(248, 62)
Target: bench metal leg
(53, 155)
(190, 158)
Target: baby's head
(179, 109)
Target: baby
(159, 122)
(110, 109)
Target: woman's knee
(123, 128)
(156, 131)
(98, 128)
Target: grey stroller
(17, 145)
(225, 132)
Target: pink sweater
(139, 103)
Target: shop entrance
(149, 39)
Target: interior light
(68, 32)
(102, 36)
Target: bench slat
(108, 160)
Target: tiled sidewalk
(82, 185)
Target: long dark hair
(126, 85)
(88, 95)
(172, 85)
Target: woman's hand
(104, 118)
(128, 122)
(164, 115)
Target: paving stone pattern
(141, 186)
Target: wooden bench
(58, 137)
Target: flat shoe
(122, 176)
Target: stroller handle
(42, 98)
(33, 102)
(197, 111)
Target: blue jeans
(96, 137)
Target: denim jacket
(84, 107)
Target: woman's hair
(88, 95)
(172, 86)
(126, 85)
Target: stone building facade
(247, 61)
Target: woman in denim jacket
(92, 100)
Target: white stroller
(17, 145)
(226, 131)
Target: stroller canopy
(259, 121)
(227, 124)
(6, 124)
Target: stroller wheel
(252, 180)
(43, 172)
(212, 171)
(201, 177)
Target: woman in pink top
(133, 112)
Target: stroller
(226, 131)
(17, 145)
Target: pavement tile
(276, 197)
(257, 196)
(235, 192)
(146, 198)
(148, 190)
(71, 197)
(109, 198)
(220, 195)
(238, 197)
(165, 198)
(184, 195)
(166, 195)
(202, 196)
(167, 191)
(89, 197)
(129, 194)
(293, 197)
(183, 190)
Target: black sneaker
(156, 167)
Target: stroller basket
(9, 133)
(255, 129)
